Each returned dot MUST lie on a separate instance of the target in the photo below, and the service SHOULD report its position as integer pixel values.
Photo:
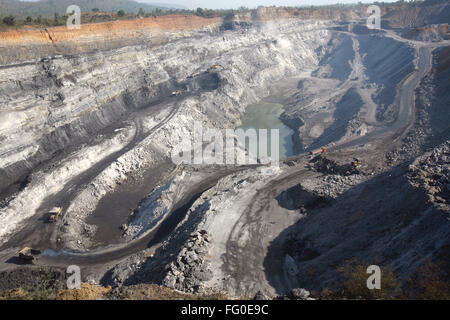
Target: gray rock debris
(261, 296)
(431, 173)
(191, 267)
(300, 294)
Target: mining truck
(356, 162)
(195, 74)
(27, 254)
(55, 213)
(318, 151)
(177, 93)
(215, 67)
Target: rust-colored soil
(86, 292)
(16, 294)
(125, 28)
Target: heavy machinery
(215, 67)
(177, 93)
(54, 214)
(27, 254)
(196, 74)
(356, 162)
(318, 151)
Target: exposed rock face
(429, 33)
(428, 12)
(432, 113)
(19, 46)
(79, 96)
(397, 62)
(322, 164)
(431, 173)
(300, 294)
(377, 221)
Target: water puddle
(263, 115)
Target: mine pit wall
(387, 63)
(29, 45)
(60, 102)
(347, 108)
(64, 102)
(436, 87)
(432, 115)
(405, 15)
(337, 54)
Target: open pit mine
(90, 120)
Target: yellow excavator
(27, 254)
(54, 214)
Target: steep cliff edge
(28, 44)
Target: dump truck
(177, 93)
(195, 74)
(215, 67)
(54, 214)
(356, 162)
(27, 254)
(318, 151)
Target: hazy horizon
(229, 4)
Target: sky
(227, 4)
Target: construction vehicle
(318, 151)
(196, 74)
(54, 213)
(214, 67)
(356, 162)
(177, 93)
(27, 254)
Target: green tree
(141, 12)
(200, 12)
(157, 12)
(9, 20)
(95, 10)
(56, 19)
(29, 19)
(121, 13)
